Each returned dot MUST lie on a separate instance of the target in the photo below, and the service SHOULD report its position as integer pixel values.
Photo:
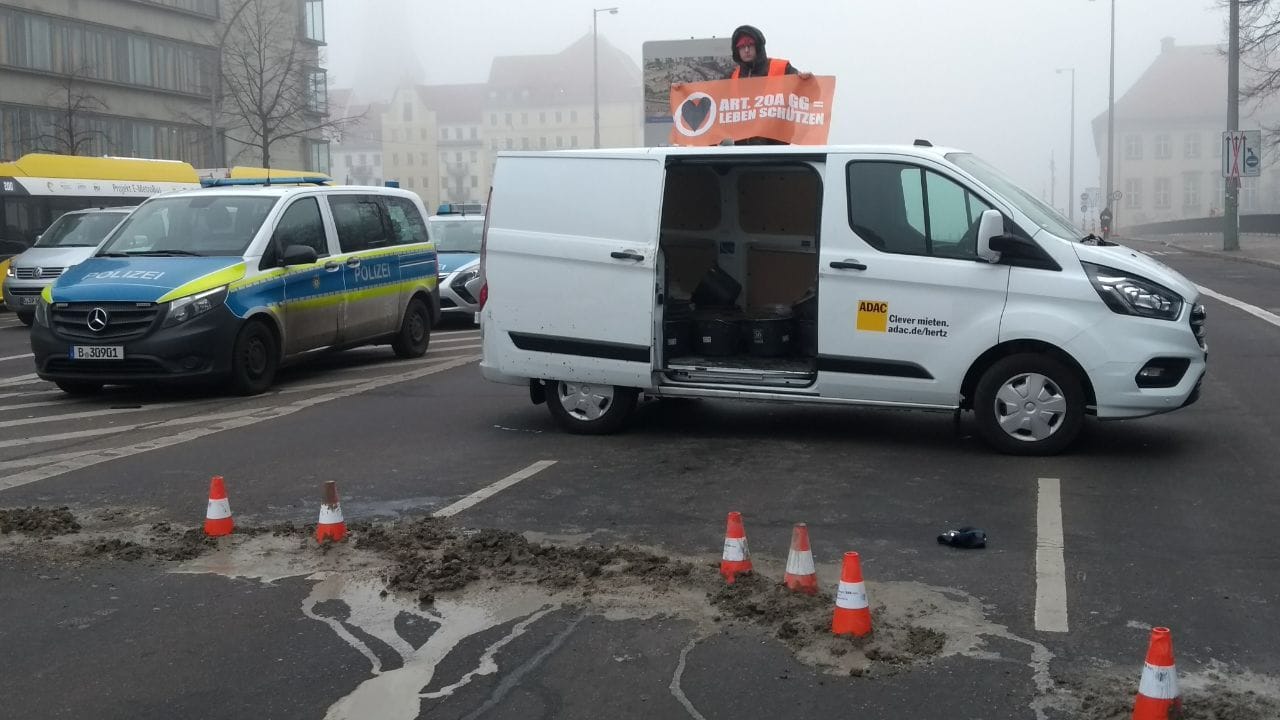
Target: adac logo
(696, 115)
(873, 315)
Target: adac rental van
(226, 284)
(901, 277)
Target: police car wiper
(112, 254)
(163, 253)
(1093, 239)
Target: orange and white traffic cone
(801, 575)
(853, 614)
(1158, 696)
(331, 526)
(736, 558)
(217, 519)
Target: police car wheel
(254, 360)
(1029, 404)
(79, 387)
(590, 409)
(415, 331)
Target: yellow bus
(37, 188)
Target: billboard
(672, 61)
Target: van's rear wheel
(1029, 405)
(415, 331)
(590, 409)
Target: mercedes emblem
(97, 320)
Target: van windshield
(215, 225)
(1033, 207)
(79, 230)
(457, 235)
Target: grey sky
(977, 74)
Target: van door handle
(848, 265)
(626, 255)
(333, 266)
(353, 262)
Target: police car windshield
(457, 235)
(1040, 213)
(215, 225)
(79, 230)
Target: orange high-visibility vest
(777, 68)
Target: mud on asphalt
(420, 561)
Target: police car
(457, 231)
(229, 283)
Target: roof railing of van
(227, 182)
(460, 209)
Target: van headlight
(1129, 294)
(8, 270)
(183, 309)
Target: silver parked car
(69, 241)
(457, 240)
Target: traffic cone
(736, 558)
(1158, 696)
(217, 519)
(800, 575)
(331, 526)
(853, 615)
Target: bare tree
(73, 104)
(272, 91)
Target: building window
(475, 156)
(524, 143)
(510, 143)
(457, 156)
(318, 156)
(377, 160)
(406, 115)
(573, 141)
(408, 182)
(1132, 147)
(559, 141)
(423, 157)
(1191, 145)
(508, 119)
(408, 158)
(425, 184)
(318, 91)
(444, 133)
(395, 159)
(475, 181)
(559, 116)
(524, 118)
(1162, 193)
(542, 118)
(313, 20)
(457, 133)
(1164, 147)
(1133, 193)
(475, 133)
(364, 159)
(1191, 190)
(573, 116)
(542, 142)
(348, 160)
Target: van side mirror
(299, 255)
(990, 227)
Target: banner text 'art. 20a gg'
(789, 109)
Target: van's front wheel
(1029, 405)
(590, 409)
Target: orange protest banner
(786, 108)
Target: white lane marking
(65, 417)
(30, 379)
(1051, 568)
(447, 341)
(16, 357)
(457, 332)
(98, 432)
(30, 393)
(242, 419)
(42, 459)
(1253, 310)
(491, 490)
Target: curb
(1274, 264)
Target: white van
(906, 277)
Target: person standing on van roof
(749, 54)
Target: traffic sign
(1084, 198)
(1084, 207)
(1242, 153)
(1115, 196)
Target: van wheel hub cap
(1030, 407)
(585, 402)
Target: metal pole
(1071, 183)
(595, 76)
(1111, 124)
(1231, 211)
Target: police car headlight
(42, 313)
(462, 278)
(183, 309)
(1129, 294)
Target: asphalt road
(1165, 521)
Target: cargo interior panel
(738, 273)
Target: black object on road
(965, 537)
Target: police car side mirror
(299, 255)
(990, 227)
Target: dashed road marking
(1051, 568)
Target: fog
(977, 74)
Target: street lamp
(1111, 117)
(217, 149)
(1071, 185)
(595, 68)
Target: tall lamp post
(1111, 118)
(216, 148)
(595, 70)
(1071, 183)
